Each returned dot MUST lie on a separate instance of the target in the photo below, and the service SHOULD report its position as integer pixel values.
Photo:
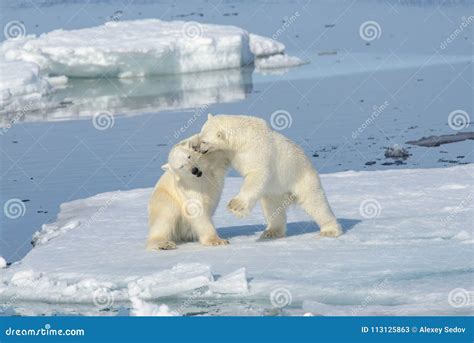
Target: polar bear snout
(196, 171)
(202, 147)
(205, 144)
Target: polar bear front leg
(206, 231)
(250, 192)
(159, 236)
(274, 211)
(163, 218)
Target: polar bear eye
(189, 156)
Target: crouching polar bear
(185, 198)
(276, 171)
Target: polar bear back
(289, 163)
(256, 146)
(241, 122)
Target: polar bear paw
(272, 234)
(331, 230)
(161, 245)
(238, 207)
(214, 241)
(167, 245)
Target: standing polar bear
(276, 171)
(185, 198)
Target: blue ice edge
(239, 329)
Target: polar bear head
(183, 160)
(214, 135)
(228, 132)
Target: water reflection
(82, 98)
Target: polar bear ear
(221, 134)
(209, 116)
(165, 167)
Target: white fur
(276, 172)
(182, 204)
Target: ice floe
(22, 86)
(141, 47)
(385, 214)
(143, 308)
(32, 66)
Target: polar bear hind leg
(311, 197)
(274, 210)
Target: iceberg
(141, 48)
(33, 67)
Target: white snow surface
(141, 47)
(407, 245)
(32, 67)
(21, 86)
(143, 308)
(278, 62)
(262, 46)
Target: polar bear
(185, 198)
(276, 171)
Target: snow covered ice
(127, 49)
(143, 308)
(22, 85)
(360, 273)
(142, 47)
